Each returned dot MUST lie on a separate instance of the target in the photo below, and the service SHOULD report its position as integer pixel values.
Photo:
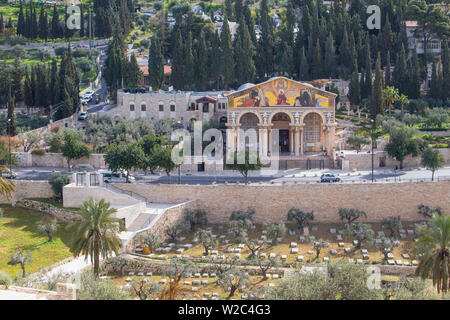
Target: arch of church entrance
(280, 122)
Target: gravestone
(187, 283)
(196, 282)
(283, 257)
(333, 231)
(263, 255)
(197, 274)
(410, 231)
(415, 263)
(205, 275)
(131, 273)
(188, 245)
(163, 281)
(391, 262)
(241, 245)
(275, 276)
(405, 256)
(338, 237)
(314, 228)
(293, 244)
(204, 282)
(306, 231)
(359, 261)
(302, 238)
(294, 250)
(300, 258)
(347, 250)
(149, 274)
(364, 251)
(351, 260)
(399, 262)
(230, 250)
(326, 259)
(333, 252)
(378, 241)
(237, 250)
(381, 234)
(237, 255)
(390, 255)
(272, 255)
(310, 252)
(365, 257)
(140, 273)
(128, 279)
(355, 242)
(180, 250)
(341, 244)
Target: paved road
(283, 176)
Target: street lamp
(9, 138)
(371, 138)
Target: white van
(120, 176)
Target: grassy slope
(18, 229)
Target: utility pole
(9, 138)
(371, 137)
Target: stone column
(297, 141)
(302, 151)
(291, 141)
(269, 146)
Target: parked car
(82, 116)
(9, 175)
(329, 177)
(109, 176)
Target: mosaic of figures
(281, 92)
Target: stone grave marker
(347, 250)
(300, 258)
(293, 244)
(333, 231)
(294, 250)
(341, 244)
(399, 262)
(391, 262)
(405, 256)
(333, 251)
(326, 259)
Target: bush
(57, 181)
(5, 279)
(92, 288)
(38, 152)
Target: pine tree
(11, 117)
(214, 56)
(368, 76)
(2, 23)
(17, 75)
(330, 57)
(376, 98)
(445, 71)
(229, 12)
(400, 71)
(156, 64)
(238, 9)
(28, 91)
(81, 21)
(244, 52)
(316, 66)
(54, 83)
(227, 63)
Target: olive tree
(318, 245)
(145, 290)
(233, 280)
(427, 212)
(386, 246)
(393, 226)
(358, 142)
(359, 231)
(150, 240)
(47, 228)
(350, 215)
(195, 218)
(176, 230)
(243, 215)
(432, 160)
(266, 265)
(57, 182)
(238, 230)
(22, 258)
(303, 219)
(206, 239)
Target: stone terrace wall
(29, 189)
(272, 202)
(26, 159)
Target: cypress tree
(202, 63)
(399, 76)
(21, 21)
(17, 75)
(227, 63)
(156, 64)
(330, 57)
(134, 73)
(266, 43)
(189, 63)
(354, 87)
(368, 75)
(54, 83)
(304, 68)
(387, 73)
(55, 23)
(43, 28)
(316, 67)
(28, 91)
(81, 21)
(376, 98)
(177, 76)
(214, 56)
(445, 71)
(11, 117)
(2, 24)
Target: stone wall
(58, 213)
(29, 189)
(57, 160)
(271, 202)
(74, 196)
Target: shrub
(5, 279)
(38, 152)
(57, 181)
(92, 288)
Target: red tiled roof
(167, 70)
(411, 23)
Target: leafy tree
(351, 215)
(390, 95)
(96, 233)
(243, 215)
(432, 160)
(359, 231)
(303, 219)
(146, 290)
(195, 218)
(427, 212)
(376, 97)
(386, 246)
(233, 280)
(47, 228)
(150, 240)
(162, 158)
(434, 245)
(11, 115)
(244, 162)
(318, 245)
(401, 144)
(437, 116)
(357, 141)
(254, 247)
(206, 239)
(411, 288)
(265, 266)
(93, 288)
(124, 157)
(176, 230)
(73, 147)
(22, 258)
(393, 226)
(57, 182)
(346, 281)
(238, 230)
(275, 230)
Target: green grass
(18, 230)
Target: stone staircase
(143, 219)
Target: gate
(315, 164)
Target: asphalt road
(283, 176)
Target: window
(132, 107)
(172, 107)
(205, 107)
(312, 127)
(143, 107)
(191, 107)
(161, 107)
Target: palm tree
(95, 233)
(390, 95)
(7, 186)
(435, 245)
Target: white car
(82, 116)
(109, 176)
